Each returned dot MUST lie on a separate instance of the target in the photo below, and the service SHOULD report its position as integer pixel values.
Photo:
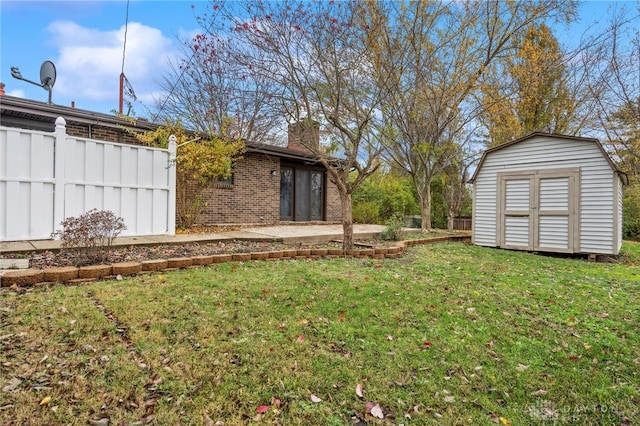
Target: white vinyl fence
(47, 177)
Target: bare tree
(431, 57)
(208, 91)
(314, 58)
(614, 68)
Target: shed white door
(539, 210)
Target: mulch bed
(49, 259)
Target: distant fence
(47, 177)
(462, 223)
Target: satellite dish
(47, 75)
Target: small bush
(381, 196)
(90, 235)
(366, 212)
(393, 231)
(631, 213)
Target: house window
(226, 181)
(317, 198)
(286, 193)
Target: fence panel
(46, 177)
(26, 184)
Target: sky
(85, 41)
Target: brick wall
(333, 209)
(101, 133)
(254, 196)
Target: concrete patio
(282, 233)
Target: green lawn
(449, 333)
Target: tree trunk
(347, 221)
(425, 209)
(450, 220)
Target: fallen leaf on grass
(11, 385)
(300, 338)
(505, 421)
(262, 409)
(208, 421)
(315, 399)
(603, 315)
(45, 400)
(376, 411)
(102, 422)
(359, 390)
(449, 399)
(522, 367)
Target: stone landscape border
(77, 275)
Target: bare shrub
(90, 235)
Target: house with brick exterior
(271, 184)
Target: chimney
(2, 92)
(304, 134)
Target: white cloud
(90, 60)
(17, 93)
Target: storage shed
(549, 193)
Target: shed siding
(543, 153)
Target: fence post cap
(61, 122)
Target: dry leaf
(300, 338)
(208, 421)
(376, 411)
(315, 399)
(505, 421)
(522, 367)
(359, 390)
(262, 409)
(102, 422)
(45, 400)
(11, 385)
(368, 406)
(449, 399)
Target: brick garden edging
(70, 274)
